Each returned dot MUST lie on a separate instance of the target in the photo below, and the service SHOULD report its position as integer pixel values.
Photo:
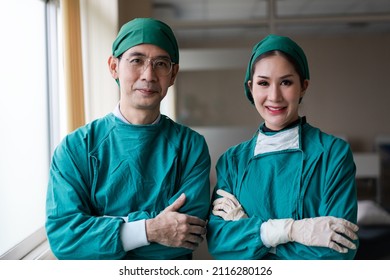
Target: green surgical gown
(110, 168)
(315, 179)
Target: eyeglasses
(161, 66)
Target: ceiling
(222, 20)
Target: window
(25, 141)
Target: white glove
(228, 207)
(320, 231)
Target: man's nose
(148, 72)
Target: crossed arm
(324, 231)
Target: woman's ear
(305, 85)
(249, 84)
(304, 88)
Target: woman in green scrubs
(289, 192)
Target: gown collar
(275, 141)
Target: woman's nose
(275, 93)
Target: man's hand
(174, 229)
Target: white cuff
(275, 232)
(133, 235)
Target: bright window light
(24, 140)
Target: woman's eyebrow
(282, 77)
(286, 76)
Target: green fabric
(146, 31)
(317, 179)
(271, 43)
(109, 168)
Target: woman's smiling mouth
(275, 110)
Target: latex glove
(320, 231)
(228, 207)
(325, 232)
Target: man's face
(143, 87)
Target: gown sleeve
(73, 230)
(338, 199)
(233, 239)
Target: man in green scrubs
(133, 184)
(289, 192)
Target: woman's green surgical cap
(146, 31)
(279, 43)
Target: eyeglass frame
(150, 61)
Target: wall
(99, 29)
(349, 94)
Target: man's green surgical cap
(146, 31)
(280, 43)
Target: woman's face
(276, 90)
